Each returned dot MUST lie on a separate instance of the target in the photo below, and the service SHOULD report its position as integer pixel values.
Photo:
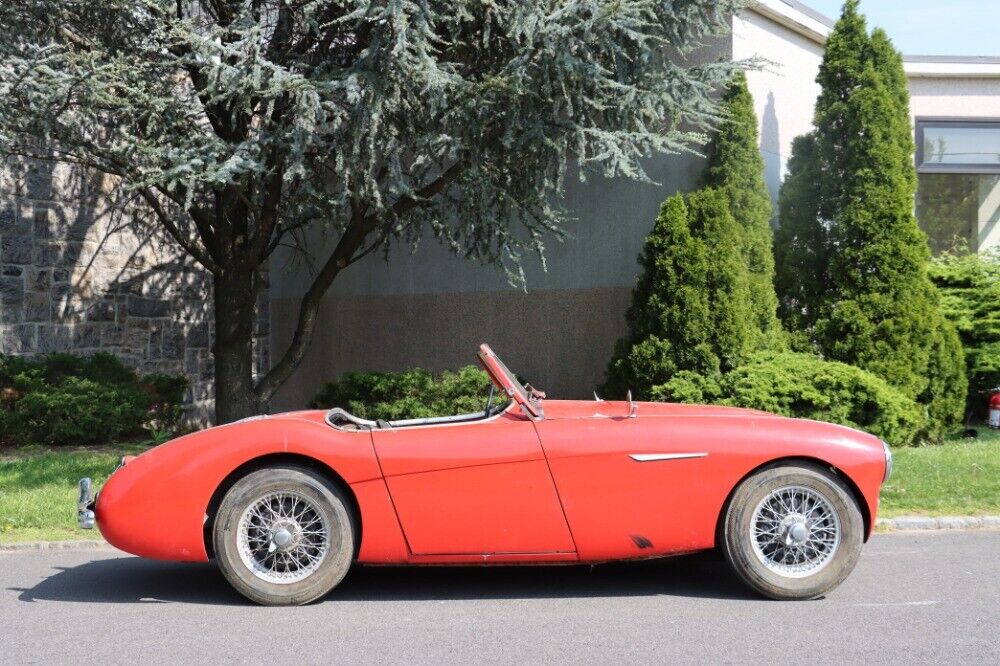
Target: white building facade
(954, 104)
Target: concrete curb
(53, 545)
(906, 523)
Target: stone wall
(82, 270)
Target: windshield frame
(505, 380)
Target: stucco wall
(954, 98)
(432, 309)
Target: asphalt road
(914, 598)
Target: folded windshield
(506, 381)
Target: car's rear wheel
(283, 536)
(792, 532)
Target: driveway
(914, 598)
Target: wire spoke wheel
(795, 531)
(282, 538)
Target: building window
(958, 193)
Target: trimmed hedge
(410, 394)
(62, 399)
(806, 386)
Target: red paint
(545, 481)
(473, 488)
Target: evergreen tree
(245, 126)
(869, 293)
(801, 243)
(736, 168)
(692, 306)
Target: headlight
(888, 462)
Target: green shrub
(63, 399)
(166, 403)
(805, 386)
(410, 394)
(691, 306)
(970, 292)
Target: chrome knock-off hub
(795, 531)
(283, 537)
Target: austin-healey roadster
(286, 504)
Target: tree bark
(235, 295)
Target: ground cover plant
(63, 400)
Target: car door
(632, 487)
(480, 487)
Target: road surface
(914, 598)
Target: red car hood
(583, 409)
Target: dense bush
(64, 399)
(409, 394)
(861, 288)
(805, 386)
(691, 307)
(970, 293)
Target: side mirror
(632, 408)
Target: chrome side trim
(651, 457)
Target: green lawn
(958, 478)
(38, 489)
(38, 486)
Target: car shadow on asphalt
(135, 580)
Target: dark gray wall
(431, 309)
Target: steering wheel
(489, 400)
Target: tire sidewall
(738, 545)
(324, 497)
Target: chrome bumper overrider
(85, 505)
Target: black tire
(328, 504)
(737, 542)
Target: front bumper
(85, 517)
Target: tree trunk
(235, 295)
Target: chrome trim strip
(651, 457)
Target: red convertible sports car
(287, 503)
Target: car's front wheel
(283, 536)
(792, 532)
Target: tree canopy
(241, 123)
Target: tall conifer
(736, 168)
(691, 307)
(868, 294)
